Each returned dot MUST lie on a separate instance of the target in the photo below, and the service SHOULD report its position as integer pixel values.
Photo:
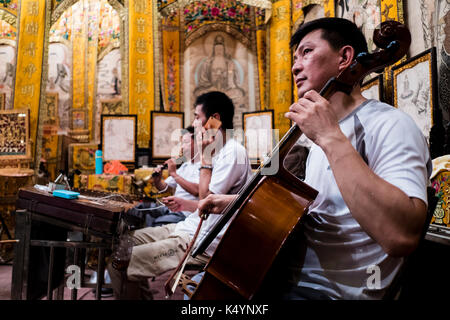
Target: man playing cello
(370, 164)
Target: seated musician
(370, 164)
(225, 168)
(183, 183)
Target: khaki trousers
(155, 251)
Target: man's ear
(216, 115)
(347, 55)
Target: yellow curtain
(93, 28)
(280, 64)
(171, 61)
(261, 35)
(298, 17)
(141, 43)
(297, 13)
(298, 5)
(79, 44)
(390, 10)
(328, 8)
(29, 60)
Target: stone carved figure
(221, 72)
(218, 71)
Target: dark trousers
(158, 215)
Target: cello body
(262, 232)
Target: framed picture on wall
(15, 134)
(365, 14)
(165, 134)
(118, 138)
(143, 157)
(78, 119)
(415, 89)
(82, 157)
(373, 88)
(51, 109)
(258, 130)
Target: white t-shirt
(188, 171)
(231, 170)
(339, 253)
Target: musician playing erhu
(224, 169)
(370, 164)
(182, 183)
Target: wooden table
(42, 224)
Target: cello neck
(291, 137)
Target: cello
(256, 235)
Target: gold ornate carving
(59, 39)
(218, 27)
(104, 51)
(111, 106)
(81, 156)
(2, 100)
(8, 17)
(170, 8)
(9, 42)
(44, 76)
(82, 136)
(59, 10)
(51, 106)
(14, 134)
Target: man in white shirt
(182, 182)
(369, 162)
(225, 168)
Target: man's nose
(296, 68)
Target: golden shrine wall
(168, 70)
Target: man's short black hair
(338, 32)
(217, 102)
(189, 129)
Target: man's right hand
(205, 140)
(171, 167)
(215, 203)
(157, 174)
